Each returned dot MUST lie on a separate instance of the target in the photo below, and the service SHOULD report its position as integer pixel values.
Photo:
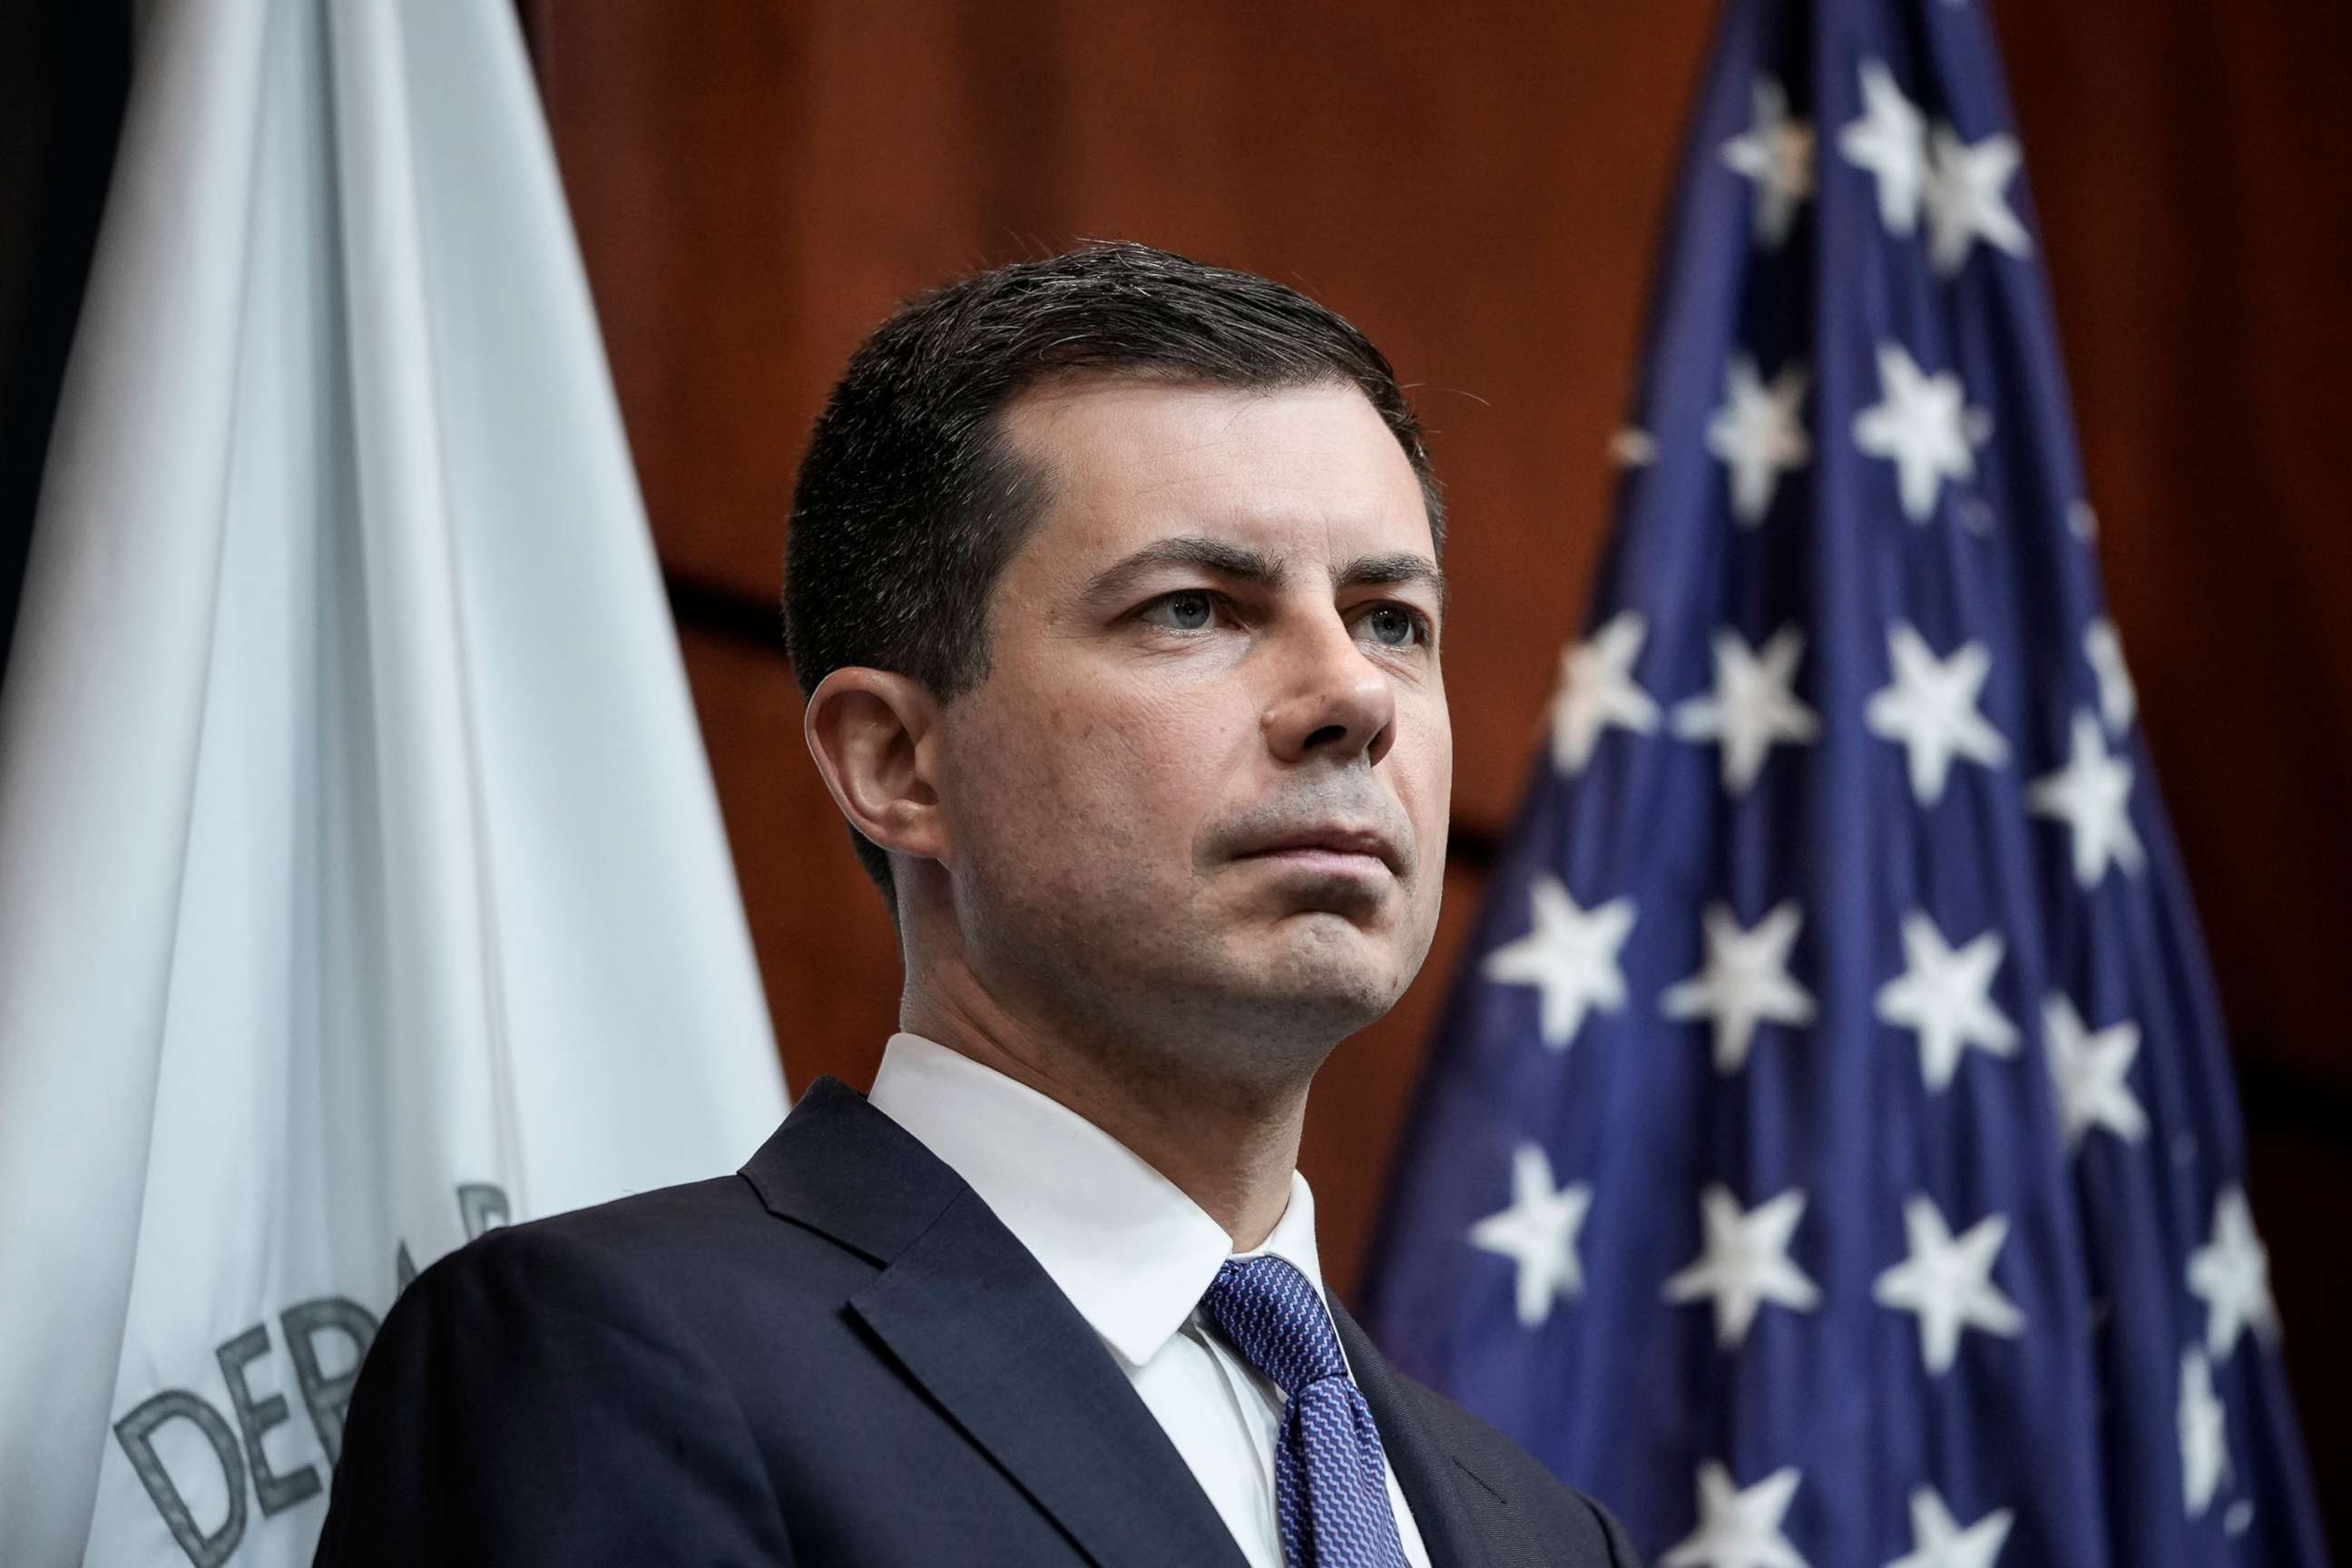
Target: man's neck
(1231, 1152)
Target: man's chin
(1318, 963)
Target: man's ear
(874, 735)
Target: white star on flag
(1538, 1233)
(1739, 1529)
(1944, 995)
(2088, 1070)
(1948, 1282)
(1777, 154)
(1931, 710)
(2204, 1434)
(1744, 1262)
(2119, 699)
(1890, 142)
(1920, 425)
(2231, 1273)
(1597, 690)
(1965, 203)
(1758, 435)
(2091, 795)
(1751, 706)
(1745, 981)
(1937, 1541)
(1571, 957)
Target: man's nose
(1335, 702)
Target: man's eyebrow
(1404, 566)
(1221, 556)
(1244, 564)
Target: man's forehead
(1177, 418)
(1306, 477)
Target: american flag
(1830, 1158)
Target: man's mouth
(1344, 848)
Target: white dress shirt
(1133, 1254)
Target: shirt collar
(1132, 1253)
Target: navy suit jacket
(837, 1355)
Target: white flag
(361, 883)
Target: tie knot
(1276, 1319)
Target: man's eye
(1191, 610)
(1393, 625)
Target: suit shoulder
(663, 1221)
(665, 1225)
(529, 1396)
(687, 1256)
(585, 1255)
(1514, 1476)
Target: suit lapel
(839, 1166)
(973, 1319)
(1426, 1471)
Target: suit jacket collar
(970, 1316)
(839, 1166)
(1131, 1249)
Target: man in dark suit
(1113, 583)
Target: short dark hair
(909, 500)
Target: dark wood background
(755, 182)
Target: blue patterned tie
(1330, 1482)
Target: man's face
(1198, 807)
